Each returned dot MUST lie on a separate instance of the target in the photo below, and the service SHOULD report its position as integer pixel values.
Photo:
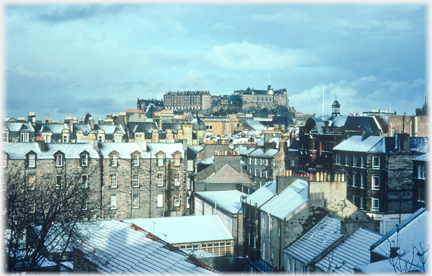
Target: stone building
(269, 229)
(420, 175)
(127, 180)
(143, 104)
(188, 100)
(379, 173)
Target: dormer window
(65, 138)
(4, 163)
(24, 137)
(114, 159)
(135, 160)
(84, 160)
(31, 160)
(59, 160)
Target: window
(84, 160)
(292, 163)
(24, 137)
(135, 201)
(117, 138)
(375, 183)
(256, 161)
(362, 161)
(361, 203)
(59, 160)
(5, 136)
(114, 159)
(188, 183)
(177, 160)
(160, 160)
(375, 204)
(58, 181)
(113, 180)
(84, 181)
(160, 179)
(375, 162)
(250, 160)
(362, 181)
(176, 180)
(421, 194)
(353, 199)
(31, 182)
(4, 160)
(47, 138)
(346, 160)
(101, 138)
(354, 180)
(421, 172)
(65, 138)
(136, 160)
(31, 160)
(135, 180)
(188, 202)
(354, 161)
(177, 200)
(113, 202)
(160, 200)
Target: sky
(69, 59)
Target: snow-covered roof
(411, 238)
(294, 196)
(227, 200)
(110, 129)
(316, 240)
(124, 149)
(355, 143)
(262, 195)
(252, 132)
(119, 247)
(244, 150)
(17, 125)
(354, 252)
(260, 153)
(207, 161)
(168, 148)
(256, 125)
(70, 150)
(227, 174)
(424, 158)
(186, 229)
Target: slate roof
(174, 126)
(424, 158)
(124, 149)
(354, 252)
(262, 195)
(243, 150)
(369, 123)
(379, 144)
(226, 175)
(186, 229)
(146, 127)
(294, 196)
(109, 129)
(17, 126)
(192, 151)
(255, 125)
(316, 240)
(227, 200)
(55, 128)
(85, 128)
(411, 238)
(207, 161)
(168, 148)
(260, 153)
(119, 247)
(70, 150)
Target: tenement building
(188, 100)
(379, 174)
(125, 180)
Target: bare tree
(42, 212)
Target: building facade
(188, 100)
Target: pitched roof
(262, 195)
(17, 125)
(255, 125)
(424, 158)
(260, 153)
(70, 150)
(411, 238)
(119, 247)
(227, 175)
(186, 229)
(354, 252)
(316, 240)
(227, 200)
(124, 149)
(294, 196)
(168, 148)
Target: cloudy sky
(66, 60)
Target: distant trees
(42, 212)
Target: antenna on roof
(165, 235)
(323, 101)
